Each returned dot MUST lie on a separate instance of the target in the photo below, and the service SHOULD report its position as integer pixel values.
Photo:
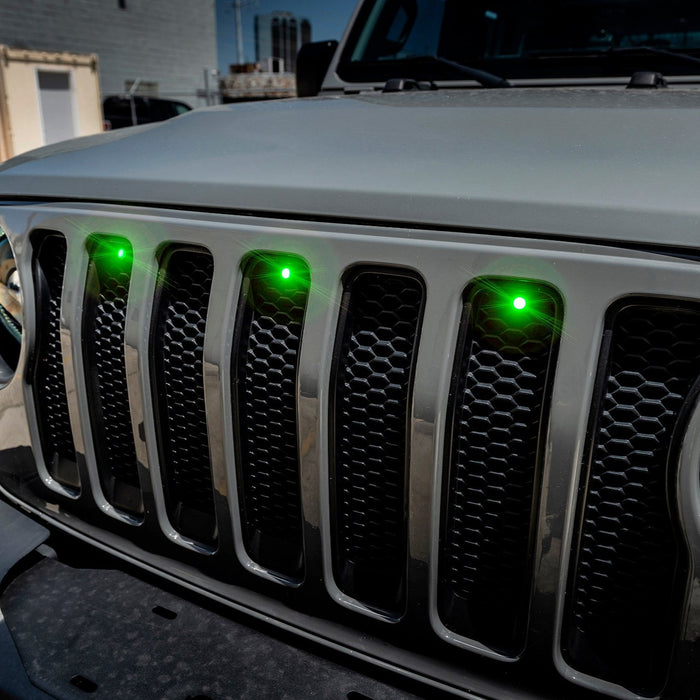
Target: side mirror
(312, 64)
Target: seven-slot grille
(498, 409)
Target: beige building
(46, 97)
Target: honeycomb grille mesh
(49, 380)
(500, 400)
(104, 324)
(624, 602)
(265, 377)
(178, 348)
(376, 354)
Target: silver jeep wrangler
(389, 390)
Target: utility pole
(237, 5)
(239, 31)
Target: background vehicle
(410, 372)
(125, 110)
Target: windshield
(522, 38)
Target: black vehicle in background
(125, 110)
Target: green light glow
(111, 254)
(519, 303)
(286, 272)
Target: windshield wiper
(612, 51)
(484, 78)
(677, 55)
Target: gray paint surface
(601, 163)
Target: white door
(56, 99)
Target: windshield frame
(591, 67)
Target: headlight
(14, 287)
(10, 310)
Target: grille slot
(49, 387)
(177, 337)
(104, 322)
(499, 406)
(372, 384)
(626, 587)
(264, 371)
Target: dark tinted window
(522, 38)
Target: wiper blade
(611, 51)
(484, 78)
(677, 55)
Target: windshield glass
(522, 38)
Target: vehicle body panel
(517, 160)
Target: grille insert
(373, 374)
(626, 586)
(499, 406)
(177, 337)
(264, 370)
(104, 322)
(49, 386)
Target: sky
(328, 19)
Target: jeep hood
(609, 164)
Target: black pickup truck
(387, 391)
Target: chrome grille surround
(498, 413)
(58, 448)
(447, 263)
(176, 346)
(104, 320)
(629, 558)
(374, 361)
(264, 366)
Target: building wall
(21, 119)
(168, 42)
(280, 35)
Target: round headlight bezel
(11, 311)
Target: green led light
(519, 303)
(121, 253)
(286, 273)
